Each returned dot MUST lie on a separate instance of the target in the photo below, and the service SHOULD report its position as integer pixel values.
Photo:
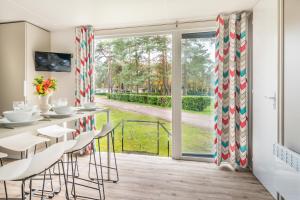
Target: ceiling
(60, 14)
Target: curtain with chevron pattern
(231, 90)
(84, 62)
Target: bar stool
(55, 132)
(3, 155)
(22, 143)
(82, 141)
(106, 130)
(22, 170)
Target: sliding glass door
(197, 65)
(160, 91)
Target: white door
(265, 55)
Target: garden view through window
(134, 78)
(197, 64)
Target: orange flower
(44, 87)
(37, 87)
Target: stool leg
(4, 183)
(59, 179)
(97, 177)
(51, 181)
(30, 189)
(76, 167)
(73, 191)
(100, 164)
(22, 189)
(90, 162)
(114, 152)
(44, 180)
(65, 179)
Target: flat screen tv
(49, 61)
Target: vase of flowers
(44, 89)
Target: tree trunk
(149, 71)
(109, 75)
(184, 80)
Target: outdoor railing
(160, 129)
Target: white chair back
(106, 128)
(54, 131)
(21, 142)
(82, 140)
(26, 168)
(3, 155)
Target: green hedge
(194, 103)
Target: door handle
(272, 98)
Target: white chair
(22, 143)
(3, 155)
(107, 129)
(55, 132)
(82, 141)
(28, 168)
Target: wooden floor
(155, 178)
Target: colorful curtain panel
(231, 120)
(84, 62)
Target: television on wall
(50, 61)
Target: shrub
(152, 100)
(193, 103)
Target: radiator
(287, 172)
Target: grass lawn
(143, 136)
(206, 111)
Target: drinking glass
(18, 105)
(64, 101)
(60, 102)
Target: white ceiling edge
(57, 15)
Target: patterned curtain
(84, 62)
(231, 91)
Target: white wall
(64, 42)
(18, 42)
(265, 54)
(37, 39)
(12, 70)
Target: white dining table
(7, 132)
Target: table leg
(108, 147)
(65, 138)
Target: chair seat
(3, 155)
(107, 128)
(55, 131)
(82, 141)
(21, 142)
(22, 169)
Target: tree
(196, 66)
(134, 64)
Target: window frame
(175, 30)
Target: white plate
(55, 115)
(6, 123)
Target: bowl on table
(18, 116)
(90, 105)
(63, 110)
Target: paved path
(203, 121)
